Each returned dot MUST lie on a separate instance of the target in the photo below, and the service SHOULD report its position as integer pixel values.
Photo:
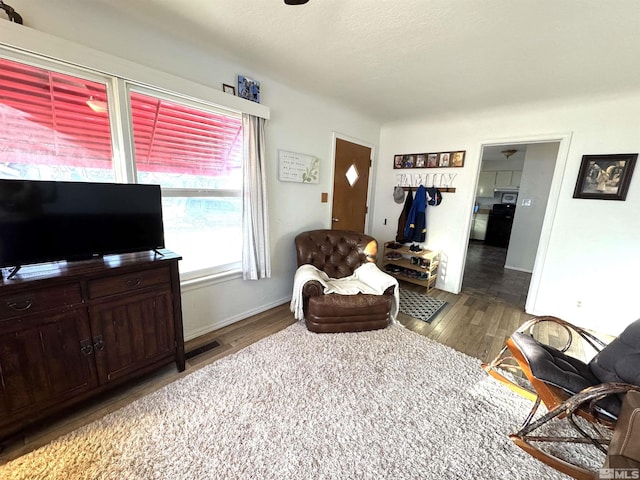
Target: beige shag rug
(387, 404)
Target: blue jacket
(415, 229)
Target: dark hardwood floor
(486, 277)
(475, 322)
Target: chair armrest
(624, 449)
(596, 343)
(312, 288)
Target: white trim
(552, 205)
(192, 282)
(337, 135)
(27, 40)
(235, 318)
(525, 270)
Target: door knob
(335, 219)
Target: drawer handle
(133, 282)
(98, 343)
(86, 347)
(21, 305)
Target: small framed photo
(444, 159)
(248, 88)
(421, 160)
(605, 177)
(409, 161)
(457, 159)
(228, 89)
(432, 160)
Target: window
(195, 153)
(57, 125)
(50, 130)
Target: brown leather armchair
(338, 253)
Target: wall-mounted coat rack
(442, 189)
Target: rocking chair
(569, 387)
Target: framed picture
(457, 159)
(429, 160)
(605, 177)
(228, 89)
(248, 88)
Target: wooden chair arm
(596, 343)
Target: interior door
(350, 186)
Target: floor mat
(419, 306)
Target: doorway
(352, 163)
(511, 202)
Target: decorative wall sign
(248, 88)
(605, 177)
(442, 181)
(430, 160)
(297, 167)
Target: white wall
(537, 173)
(298, 122)
(592, 256)
(593, 251)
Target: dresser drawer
(127, 283)
(39, 300)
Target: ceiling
(397, 59)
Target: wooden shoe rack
(419, 267)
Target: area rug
(385, 404)
(417, 305)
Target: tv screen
(44, 221)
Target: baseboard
(236, 318)
(518, 269)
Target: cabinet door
(42, 362)
(131, 333)
(503, 178)
(486, 184)
(516, 178)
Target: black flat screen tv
(46, 221)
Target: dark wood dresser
(71, 330)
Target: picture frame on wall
(248, 88)
(429, 160)
(605, 177)
(457, 159)
(228, 89)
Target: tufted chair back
(336, 252)
(620, 360)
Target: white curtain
(256, 262)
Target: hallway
(486, 277)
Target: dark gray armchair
(569, 387)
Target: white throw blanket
(367, 278)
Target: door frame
(564, 138)
(337, 135)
